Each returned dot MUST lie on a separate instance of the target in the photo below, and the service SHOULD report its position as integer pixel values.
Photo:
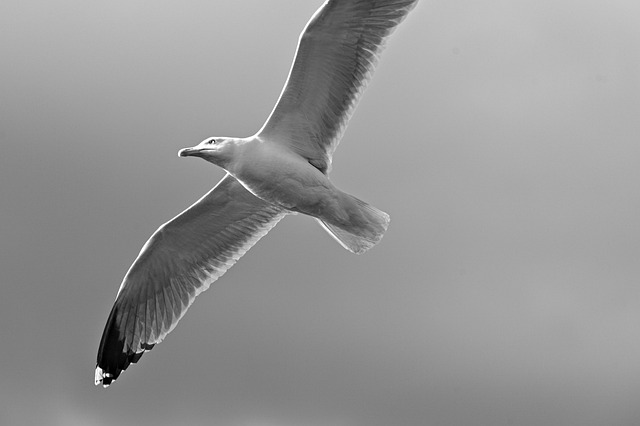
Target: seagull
(282, 169)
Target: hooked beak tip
(184, 152)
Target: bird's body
(273, 173)
(278, 175)
(281, 169)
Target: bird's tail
(362, 230)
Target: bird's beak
(190, 152)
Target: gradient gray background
(501, 136)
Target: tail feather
(364, 229)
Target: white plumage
(281, 169)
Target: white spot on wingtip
(99, 376)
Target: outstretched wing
(337, 53)
(180, 260)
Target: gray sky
(501, 136)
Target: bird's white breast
(277, 175)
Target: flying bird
(280, 170)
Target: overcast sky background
(501, 136)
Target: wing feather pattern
(336, 55)
(180, 260)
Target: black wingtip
(113, 358)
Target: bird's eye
(212, 141)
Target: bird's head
(217, 150)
